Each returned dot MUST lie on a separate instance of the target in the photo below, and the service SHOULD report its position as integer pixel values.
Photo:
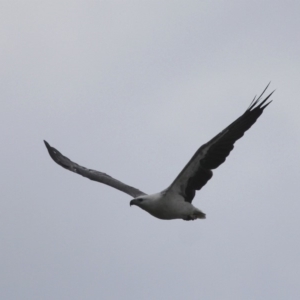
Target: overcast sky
(133, 88)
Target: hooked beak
(133, 202)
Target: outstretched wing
(212, 154)
(91, 174)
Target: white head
(140, 201)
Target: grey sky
(133, 88)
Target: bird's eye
(140, 200)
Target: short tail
(196, 215)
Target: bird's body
(168, 206)
(175, 202)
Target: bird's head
(139, 201)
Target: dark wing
(91, 174)
(212, 154)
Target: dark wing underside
(91, 174)
(212, 154)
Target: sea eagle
(175, 202)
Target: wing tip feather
(46, 144)
(262, 105)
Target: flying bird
(175, 202)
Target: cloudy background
(133, 88)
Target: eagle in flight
(175, 202)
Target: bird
(175, 202)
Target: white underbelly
(171, 209)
